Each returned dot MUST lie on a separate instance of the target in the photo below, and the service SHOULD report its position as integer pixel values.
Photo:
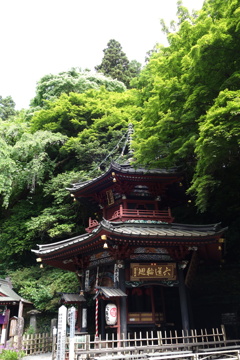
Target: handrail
(139, 214)
(92, 223)
(162, 215)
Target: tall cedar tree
(116, 64)
(7, 107)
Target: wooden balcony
(137, 214)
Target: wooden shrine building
(12, 308)
(134, 261)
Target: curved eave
(126, 173)
(69, 246)
(167, 235)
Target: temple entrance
(154, 307)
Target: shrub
(11, 354)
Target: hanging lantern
(111, 314)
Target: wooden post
(183, 300)
(123, 301)
(54, 341)
(121, 212)
(20, 324)
(72, 319)
(96, 308)
(61, 335)
(118, 321)
(152, 304)
(102, 317)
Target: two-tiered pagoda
(133, 255)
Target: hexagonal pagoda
(133, 255)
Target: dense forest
(184, 104)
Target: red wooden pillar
(118, 320)
(183, 300)
(123, 302)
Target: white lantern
(111, 314)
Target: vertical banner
(72, 321)
(87, 280)
(84, 318)
(61, 336)
(116, 274)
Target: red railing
(128, 214)
(135, 214)
(92, 223)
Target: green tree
(116, 64)
(7, 107)
(63, 142)
(43, 286)
(134, 69)
(76, 115)
(217, 149)
(50, 87)
(180, 88)
(27, 163)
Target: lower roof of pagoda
(133, 232)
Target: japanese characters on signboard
(110, 197)
(152, 271)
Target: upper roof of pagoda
(126, 175)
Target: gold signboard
(110, 197)
(152, 271)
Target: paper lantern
(111, 314)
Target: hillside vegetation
(184, 105)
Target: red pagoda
(134, 261)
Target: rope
(96, 309)
(111, 152)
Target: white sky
(39, 37)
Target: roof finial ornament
(128, 141)
(130, 133)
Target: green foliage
(190, 113)
(93, 121)
(27, 161)
(7, 107)
(29, 331)
(217, 151)
(116, 64)
(134, 69)
(15, 240)
(37, 166)
(41, 286)
(11, 354)
(59, 219)
(50, 87)
(185, 111)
